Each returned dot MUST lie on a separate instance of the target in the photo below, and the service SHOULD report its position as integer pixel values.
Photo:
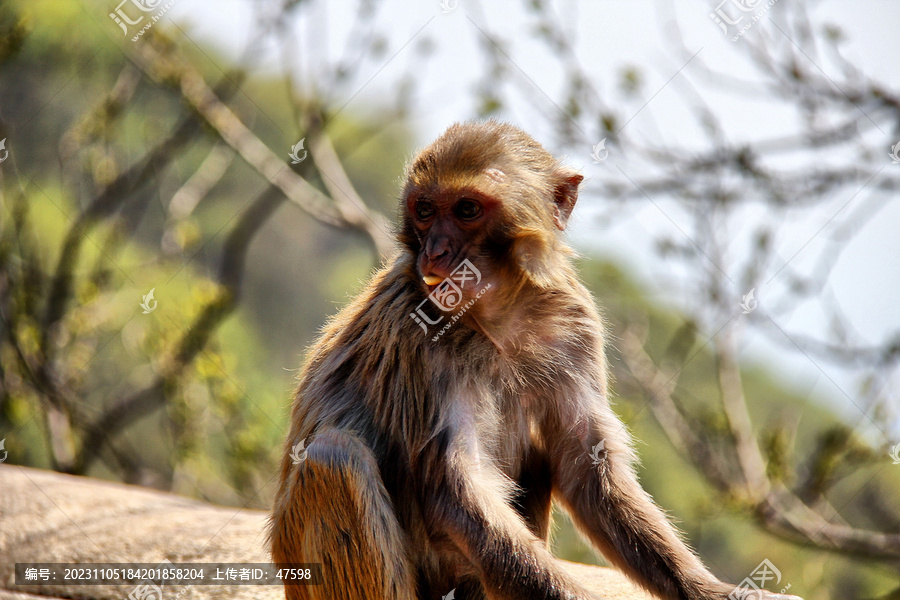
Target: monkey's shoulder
(376, 344)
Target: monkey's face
(450, 226)
(489, 194)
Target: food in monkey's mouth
(432, 279)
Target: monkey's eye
(424, 210)
(467, 210)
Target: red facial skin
(449, 224)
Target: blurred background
(189, 189)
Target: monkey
(463, 391)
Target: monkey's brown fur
(432, 460)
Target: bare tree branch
(658, 386)
(140, 403)
(257, 154)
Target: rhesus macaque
(464, 390)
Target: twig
(659, 386)
(233, 132)
(146, 400)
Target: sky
(611, 35)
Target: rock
(47, 517)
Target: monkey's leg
(602, 494)
(334, 509)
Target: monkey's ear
(565, 195)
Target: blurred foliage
(220, 433)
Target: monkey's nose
(437, 249)
(435, 255)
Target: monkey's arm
(468, 505)
(598, 486)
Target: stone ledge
(50, 517)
